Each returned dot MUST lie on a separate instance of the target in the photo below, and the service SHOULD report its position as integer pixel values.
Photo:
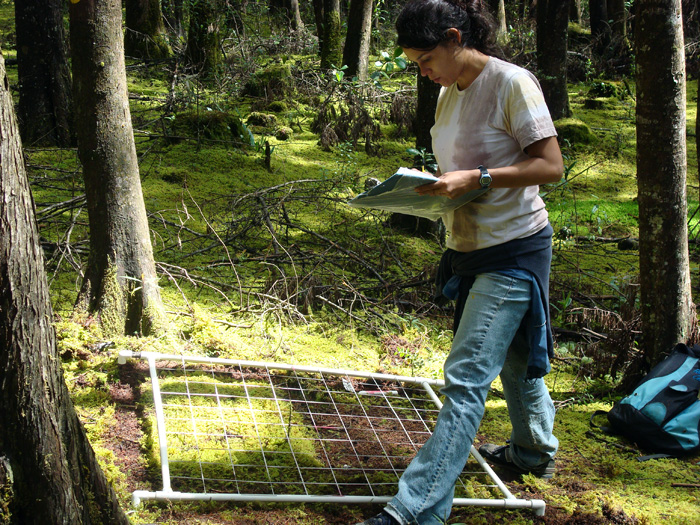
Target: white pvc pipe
(160, 422)
(278, 366)
(536, 505)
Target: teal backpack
(662, 414)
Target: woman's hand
(544, 165)
(452, 184)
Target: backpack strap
(603, 428)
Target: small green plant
(423, 160)
(388, 63)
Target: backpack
(662, 414)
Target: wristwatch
(485, 179)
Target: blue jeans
(488, 342)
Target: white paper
(397, 194)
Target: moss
(112, 307)
(574, 131)
(209, 125)
(273, 80)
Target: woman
(492, 130)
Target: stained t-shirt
(490, 123)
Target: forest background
(247, 161)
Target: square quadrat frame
(235, 430)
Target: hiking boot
(501, 456)
(380, 519)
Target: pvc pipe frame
(167, 494)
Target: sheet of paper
(397, 194)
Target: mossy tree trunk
(203, 51)
(552, 36)
(120, 283)
(668, 312)
(600, 27)
(357, 39)
(50, 472)
(145, 35)
(331, 52)
(45, 100)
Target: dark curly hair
(423, 24)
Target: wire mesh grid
(251, 430)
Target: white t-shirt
(490, 123)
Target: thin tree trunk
(319, 17)
(45, 101)
(498, 9)
(120, 282)
(428, 92)
(44, 452)
(552, 36)
(332, 52)
(356, 51)
(145, 31)
(203, 38)
(668, 313)
(575, 11)
(600, 28)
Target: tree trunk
(356, 51)
(428, 92)
(145, 32)
(668, 313)
(53, 474)
(575, 11)
(45, 101)
(331, 53)
(552, 35)
(174, 16)
(120, 282)
(203, 51)
(618, 15)
(498, 9)
(288, 12)
(600, 28)
(319, 17)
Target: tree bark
(428, 92)
(331, 53)
(174, 16)
(575, 11)
(600, 28)
(120, 282)
(618, 14)
(552, 36)
(203, 50)
(668, 313)
(498, 9)
(145, 32)
(288, 11)
(43, 446)
(45, 101)
(319, 17)
(356, 51)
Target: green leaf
(398, 52)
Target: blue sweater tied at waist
(528, 259)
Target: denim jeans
(488, 342)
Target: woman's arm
(544, 165)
